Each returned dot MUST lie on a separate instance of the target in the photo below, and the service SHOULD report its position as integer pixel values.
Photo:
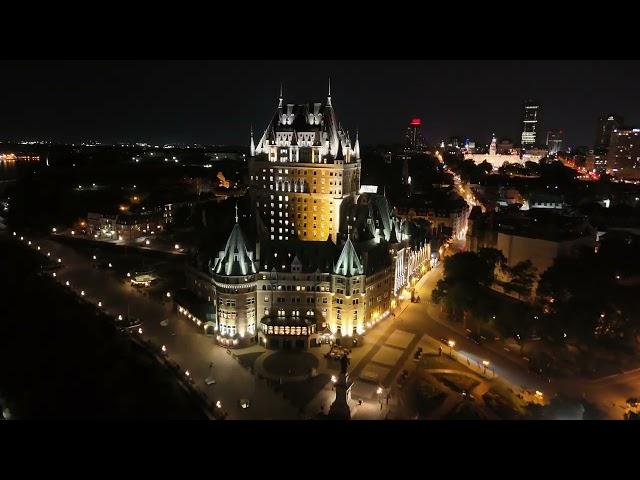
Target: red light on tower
(415, 122)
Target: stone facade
(328, 262)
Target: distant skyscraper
(530, 124)
(606, 125)
(623, 158)
(554, 141)
(454, 142)
(415, 141)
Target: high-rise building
(606, 125)
(455, 142)
(554, 141)
(302, 169)
(414, 140)
(623, 158)
(530, 124)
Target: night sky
(215, 102)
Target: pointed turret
(348, 263)
(329, 94)
(253, 146)
(280, 97)
(235, 260)
(356, 148)
(393, 238)
(339, 154)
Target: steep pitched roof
(235, 260)
(340, 154)
(348, 263)
(393, 238)
(310, 256)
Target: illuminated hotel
(302, 169)
(328, 262)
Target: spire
(329, 94)
(339, 153)
(253, 146)
(235, 259)
(236, 212)
(280, 97)
(348, 263)
(356, 148)
(393, 238)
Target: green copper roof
(348, 263)
(235, 260)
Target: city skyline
(216, 102)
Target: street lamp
(379, 392)
(164, 349)
(120, 317)
(219, 404)
(176, 246)
(54, 274)
(82, 293)
(140, 331)
(100, 304)
(67, 283)
(168, 294)
(59, 260)
(451, 344)
(334, 379)
(486, 364)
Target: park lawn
(429, 395)
(435, 362)
(458, 383)
(465, 410)
(508, 396)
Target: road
(185, 344)
(608, 393)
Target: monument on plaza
(339, 409)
